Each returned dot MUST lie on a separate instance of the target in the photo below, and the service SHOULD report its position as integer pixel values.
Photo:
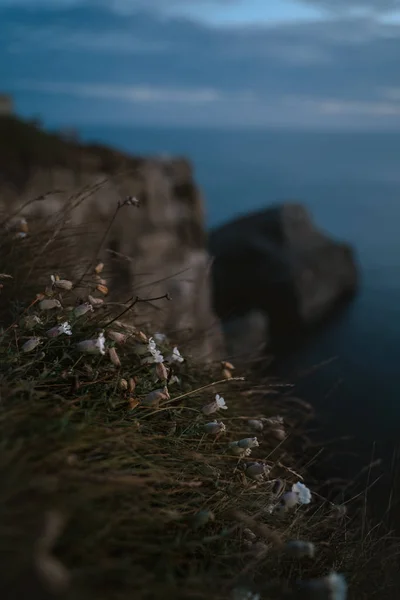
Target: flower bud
(31, 344)
(248, 443)
(257, 471)
(214, 427)
(161, 371)
(114, 357)
(255, 424)
(154, 398)
(123, 384)
(82, 309)
(299, 549)
(116, 336)
(49, 304)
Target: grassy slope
(112, 487)
(127, 480)
(24, 147)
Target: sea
(350, 182)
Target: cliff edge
(85, 203)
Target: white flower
(96, 346)
(276, 421)
(82, 309)
(214, 427)
(151, 346)
(31, 321)
(219, 403)
(303, 493)
(132, 201)
(21, 235)
(160, 338)
(289, 500)
(248, 443)
(174, 379)
(100, 342)
(238, 451)
(49, 303)
(176, 356)
(61, 284)
(255, 424)
(332, 587)
(59, 330)
(31, 344)
(257, 471)
(300, 549)
(154, 398)
(156, 356)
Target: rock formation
(143, 218)
(276, 261)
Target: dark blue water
(351, 184)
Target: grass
(25, 147)
(105, 496)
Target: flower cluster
(93, 346)
(150, 348)
(333, 586)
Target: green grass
(118, 493)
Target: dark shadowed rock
(85, 204)
(246, 336)
(278, 262)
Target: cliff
(141, 217)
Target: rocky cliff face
(142, 217)
(278, 263)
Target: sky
(330, 64)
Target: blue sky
(248, 63)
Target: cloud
(336, 106)
(87, 62)
(129, 93)
(122, 6)
(55, 4)
(60, 37)
(375, 6)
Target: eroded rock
(152, 246)
(278, 262)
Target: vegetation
(127, 470)
(112, 486)
(25, 146)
